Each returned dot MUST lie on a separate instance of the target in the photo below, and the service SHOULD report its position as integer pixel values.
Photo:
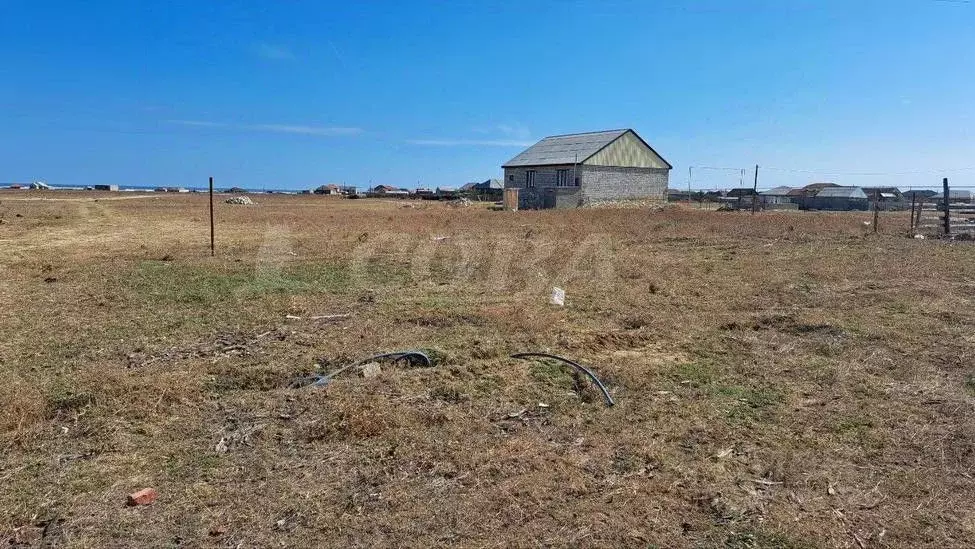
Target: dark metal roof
(565, 149)
(742, 191)
(483, 185)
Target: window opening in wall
(562, 178)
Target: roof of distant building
(841, 192)
(778, 191)
(957, 194)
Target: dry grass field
(785, 380)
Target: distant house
(738, 199)
(330, 189)
(883, 193)
(112, 188)
(954, 197)
(812, 189)
(677, 195)
(778, 198)
(388, 191)
(741, 192)
(567, 171)
(919, 195)
(804, 196)
(839, 199)
(447, 194)
(236, 190)
(491, 189)
(886, 198)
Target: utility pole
(755, 192)
(690, 175)
(947, 204)
(913, 206)
(213, 250)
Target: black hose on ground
(577, 366)
(325, 379)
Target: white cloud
(326, 131)
(273, 52)
(470, 142)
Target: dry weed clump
(786, 379)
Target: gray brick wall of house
(608, 183)
(545, 178)
(597, 184)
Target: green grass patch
(550, 372)
(749, 403)
(158, 281)
(698, 373)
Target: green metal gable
(628, 151)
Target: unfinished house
(779, 198)
(568, 171)
(839, 199)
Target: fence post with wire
(950, 214)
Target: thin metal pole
(947, 208)
(213, 250)
(913, 204)
(876, 215)
(755, 191)
(690, 175)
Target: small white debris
(370, 370)
(292, 317)
(558, 296)
(332, 317)
(221, 447)
(542, 405)
(830, 490)
(724, 453)
(919, 236)
(438, 238)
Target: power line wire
(870, 174)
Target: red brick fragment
(143, 497)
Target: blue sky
(299, 93)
